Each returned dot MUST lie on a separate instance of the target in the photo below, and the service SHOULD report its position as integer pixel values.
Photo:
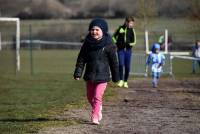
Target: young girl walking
(99, 56)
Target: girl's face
(130, 24)
(96, 32)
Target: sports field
(30, 102)
(38, 95)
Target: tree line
(47, 9)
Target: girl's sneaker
(95, 122)
(121, 83)
(126, 84)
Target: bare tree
(195, 9)
(146, 10)
(194, 13)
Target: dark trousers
(194, 65)
(124, 57)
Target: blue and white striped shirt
(156, 61)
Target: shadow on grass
(33, 120)
(79, 121)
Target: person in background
(156, 60)
(125, 38)
(196, 54)
(161, 41)
(99, 56)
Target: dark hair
(129, 18)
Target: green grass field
(30, 102)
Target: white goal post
(166, 50)
(148, 45)
(17, 21)
(170, 55)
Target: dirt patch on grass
(174, 107)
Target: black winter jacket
(124, 37)
(99, 63)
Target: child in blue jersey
(156, 60)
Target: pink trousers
(95, 93)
